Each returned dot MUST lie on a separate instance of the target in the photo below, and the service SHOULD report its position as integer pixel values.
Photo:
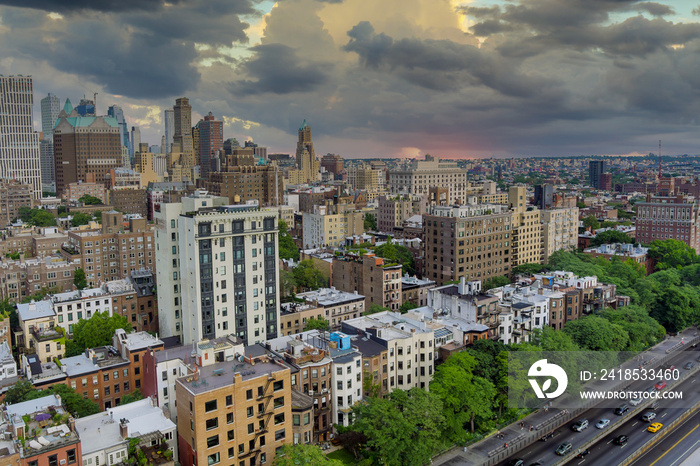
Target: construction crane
(94, 94)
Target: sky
(394, 78)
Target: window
(279, 402)
(249, 411)
(251, 428)
(106, 391)
(296, 420)
(53, 460)
(209, 406)
(279, 435)
(280, 384)
(71, 456)
(213, 459)
(231, 453)
(212, 441)
(279, 418)
(229, 418)
(229, 400)
(307, 418)
(212, 423)
(229, 435)
(249, 394)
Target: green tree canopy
(407, 306)
(495, 282)
(36, 217)
(671, 254)
(609, 237)
(90, 200)
(370, 222)
(80, 219)
(397, 254)
(528, 269)
(595, 333)
(591, 222)
(308, 277)
(644, 330)
(136, 395)
(404, 429)
(74, 403)
(288, 249)
(374, 308)
(317, 324)
(303, 454)
(99, 329)
(79, 279)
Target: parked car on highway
(622, 410)
(661, 385)
(655, 427)
(689, 366)
(603, 423)
(648, 417)
(621, 439)
(564, 448)
(580, 425)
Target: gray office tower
(544, 196)
(116, 112)
(595, 169)
(50, 108)
(169, 119)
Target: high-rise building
(85, 145)
(307, 166)
(135, 141)
(48, 165)
(392, 211)
(211, 141)
(544, 196)
(50, 108)
(560, 229)
(333, 163)
(116, 112)
(263, 183)
(669, 217)
(182, 136)
(526, 229)
(606, 182)
(377, 279)
(221, 264)
(85, 108)
(169, 119)
(20, 155)
(595, 169)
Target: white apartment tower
(217, 269)
(19, 144)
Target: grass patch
(343, 456)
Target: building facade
(669, 217)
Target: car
(602, 424)
(517, 462)
(689, 366)
(661, 385)
(651, 390)
(654, 405)
(655, 427)
(580, 425)
(622, 410)
(671, 368)
(547, 436)
(635, 401)
(649, 416)
(564, 448)
(583, 453)
(621, 439)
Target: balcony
(46, 334)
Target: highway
(605, 452)
(676, 447)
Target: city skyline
(454, 79)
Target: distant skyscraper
(19, 144)
(182, 137)
(50, 107)
(116, 112)
(306, 156)
(163, 146)
(135, 141)
(544, 196)
(211, 141)
(595, 169)
(86, 107)
(169, 118)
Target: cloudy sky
(380, 78)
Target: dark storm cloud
(80, 5)
(655, 9)
(278, 69)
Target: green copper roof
(303, 126)
(68, 107)
(82, 122)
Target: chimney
(71, 423)
(123, 430)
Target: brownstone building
(374, 277)
(85, 145)
(235, 412)
(114, 251)
(669, 217)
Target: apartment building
(417, 176)
(321, 228)
(38, 332)
(415, 290)
(393, 211)
(560, 230)
(24, 277)
(204, 246)
(294, 316)
(13, 195)
(669, 217)
(336, 306)
(471, 241)
(526, 228)
(373, 277)
(624, 252)
(71, 306)
(134, 347)
(129, 200)
(47, 241)
(104, 437)
(375, 368)
(410, 361)
(235, 411)
(161, 371)
(113, 252)
(54, 444)
(74, 191)
(346, 378)
(261, 183)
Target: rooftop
(330, 296)
(99, 359)
(222, 374)
(141, 340)
(35, 310)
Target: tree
(136, 395)
(308, 277)
(370, 222)
(374, 308)
(407, 306)
(317, 324)
(99, 329)
(397, 254)
(595, 333)
(300, 454)
(528, 269)
(644, 330)
(288, 249)
(403, 429)
(495, 282)
(671, 254)
(61, 210)
(80, 219)
(90, 200)
(74, 403)
(37, 217)
(610, 237)
(591, 222)
(97, 215)
(79, 279)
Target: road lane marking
(683, 454)
(635, 423)
(674, 445)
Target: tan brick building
(252, 182)
(13, 195)
(234, 412)
(24, 277)
(374, 277)
(526, 227)
(74, 191)
(336, 305)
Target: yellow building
(526, 225)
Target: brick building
(374, 277)
(669, 217)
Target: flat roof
(221, 374)
(81, 364)
(35, 310)
(141, 340)
(330, 296)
